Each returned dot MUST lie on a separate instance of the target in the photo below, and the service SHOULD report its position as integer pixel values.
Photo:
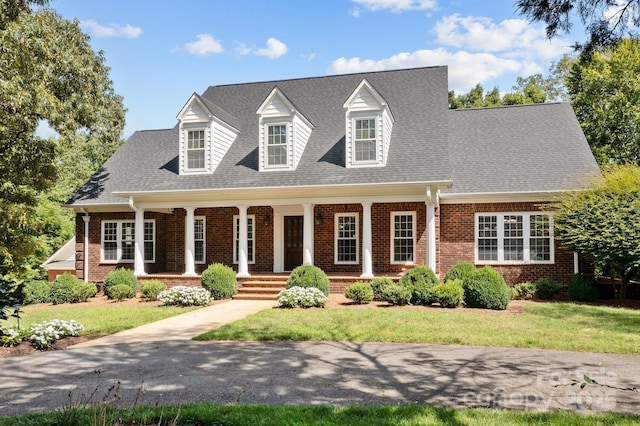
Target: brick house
(361, 174)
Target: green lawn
(560, 326)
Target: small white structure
(63, 260)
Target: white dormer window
(277, 152)
(369, 123)
(196, 150)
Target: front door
(293, 229)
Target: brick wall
(457, 236)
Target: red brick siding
(457, 240)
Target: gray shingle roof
(491, 150)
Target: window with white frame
(199, 239)
(251, 241)
(277, 152)
(118, 241)
(364, 140)
(513, 238)
(403, 237)
(346, 236)
(196, 150)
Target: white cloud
(355, 12)
(111, 30)
(275, 48)
(205, 45)
(397, 6)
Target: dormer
(369, 123)
(284, 133)
(204, 138)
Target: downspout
(134, 208)
(85, 263)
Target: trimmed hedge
(220, 280)
(523, 291)
(380, 285)
(68, 288)
(450, 294)
(486, 288)
(152, 288)
(119, 292)
(584, 288)
(460, 271)
(397, 295)
(309, 276)
(36, 291)
(420, 281)
(359, 292)
(546, 288)
(120, 276)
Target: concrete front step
(254, 296)
(260, 288)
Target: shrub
(450, 294)
(584, 288)
(304, 297)
(65, 289)
(380, 286)
(185, 296)
(119, 292)
(397, 295)
(36, 291)
(309, 276)
(152, 288)
(486, 288)
(120, 276)
(546, 288)
(85, 291)
(523, 291)
(44, 334)
(460, 271)
(11, 336)
(359, 292)
(421, 282)
(220, 280)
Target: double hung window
(118, 241)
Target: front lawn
(559, 326)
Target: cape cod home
(362, 175)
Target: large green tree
(604, 222)
(604, 88)
(48, 73)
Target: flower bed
(185, 296)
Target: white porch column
(576, 262)
(367, 263)
(139, 243)
(243, 244)
(432, 200)
(85, 262)
(189, 243)
(307, 235)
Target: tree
(48, 72)
(606, 21)
(604, 88)
(604, 222)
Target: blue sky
(161, 51)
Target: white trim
(376, 117)
(336, 239)
(252, 241)
(500, 197)
(392, 235)
(204, 240)
(188, 129)
(288, 145)
(526, 237)
(118, 241)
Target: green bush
(85, 291)
(584, 288)
(309, 276)
(120, 276)
(523, 291)
(152, 288)
(65, 289)
(450, 294)
(421, 282)
(36, 291)
(397, 295)
(119, 292)
(380, 286)
(486, 288)
(359, 292)
(460, 271)
(546, 288)
(220, 280)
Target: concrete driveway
(174, 369)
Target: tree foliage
(604, 87)
(48, 73)
(604, 222)
(606, 21)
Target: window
(403, 237)
(118, 241)
(277, 145)
(195, 150)
(364, 140)
(199, 236)
(514, 238)
(346, 234)
(251, 242)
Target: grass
(99, 320)
(209, 414)
(559, 326)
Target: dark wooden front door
(293, 229)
